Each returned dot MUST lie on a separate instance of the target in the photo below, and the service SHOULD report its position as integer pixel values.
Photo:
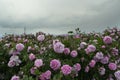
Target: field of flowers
(74, 56)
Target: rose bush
(75, 56)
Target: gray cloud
(58, 16)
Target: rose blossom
(99, 55)
(77, 67)
(40, 37)
(107, 40)
(83, 44)
(101, 70)
(105, 60)
(112, 66)
(31, 56)
(115, 51)
(11, 63)
(74, 53)
(15, 77)
(58, 47)
(66, 51)
(90, 48)
(32, 70)
(38, 62)
(55, 64)
(117, 74)
(46, 75)
(66, 69)
(92, 63)
(20, 47)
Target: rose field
(73, 56)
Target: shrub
(75, 56)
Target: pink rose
(46, 75)
(92, 63)
(66, 51)
(15, 77)
(107, 40)
(117, 74)
(38, 62)
(74, 53)
(58, 47)
(101, 70)
(55, 64)
(90, 48)
(20, 47)
(40, 37)
(11, 63)
(66, 69)
(77, 67)
(32, 70)
(31, 56)
(83, 44)
(112, 66)
(105, 60)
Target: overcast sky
(58, 16)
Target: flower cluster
(73, 56)
(14, 61)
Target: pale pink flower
(102, 70)
(66, 69)
(114, 51)
(11, 63)
(32, 56)
(107, 40)
(41, 37)
(15, 77)
(77, 67)
(90, 48)
(92, 63)
(55, 41)
(117, 74)
(83, 44)
(38, 63)
(32, 70)
(74, 53)
(105, 60)
(58, 47)
(112, 66)
(55, 64)
(99, 55)
(66, 51)
(46, 75)
(20, 47)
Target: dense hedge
(74, 56)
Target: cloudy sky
(58, 16)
